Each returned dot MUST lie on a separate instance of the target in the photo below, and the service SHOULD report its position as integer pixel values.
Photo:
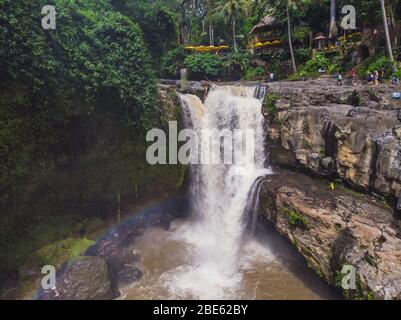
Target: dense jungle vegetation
(75, 102)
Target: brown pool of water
(270, 268)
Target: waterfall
(252, 206)
(260, 92)
(220, 193)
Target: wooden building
(266, 35)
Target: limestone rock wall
(352, 132)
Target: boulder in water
(128, 274)
(87, 278)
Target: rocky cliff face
(350, 132)
(336, 228)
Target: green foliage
(74, 107)
(204, 65)
(236, 63)
(255, 73)
(172, 61)
(269, 106)
(302, 55)
(60, 251)
(397, 74)
(299, 33)
(295, 220)
(380, 62)
(311, 67)
(158, 19)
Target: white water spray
(219, 196)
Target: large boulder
(87, 278)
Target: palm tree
(211, 17)
(388, 43)
(294, 66)
(231, 9)
(333, 24)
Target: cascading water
(211, 256)
(220, 192)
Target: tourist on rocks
(271, 77)
(370, 78)
(354, 77)
(395, 81)
(381, 76)
(376, 77)
(339, 79)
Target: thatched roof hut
(268, 23)
(319, 37)
(319, 41)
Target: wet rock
(335, 228)
(128, 274)
(198, 88)
(113, 250)
(88, 278)
(327, 163)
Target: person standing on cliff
(370, 78)
(339, 79)
(381, 76)
(376, 77)
(354, 77)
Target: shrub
(255, 73)
(380, 62)
(311, 67)
(172, 61)
(302, 55)
(236, 63)
(295, 220)
(203, 65)
(397, 74)
(269, 106)
(60, 251)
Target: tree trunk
(211, 37)
(294, 66)
(392, 19)
(234, 36)
(388, 43)
(333, 24)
